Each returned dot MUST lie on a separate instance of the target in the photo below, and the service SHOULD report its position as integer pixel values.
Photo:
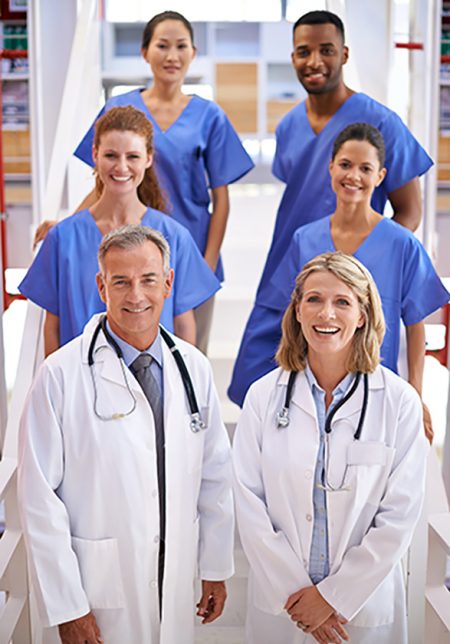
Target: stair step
(211, 634)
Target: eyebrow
(322, 44)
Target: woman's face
(329, 314)
(355, 171)
(121, 160)
(170, 51)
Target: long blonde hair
(365, 353)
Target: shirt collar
(340, 389)
(130, 353)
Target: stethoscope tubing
(196, 423)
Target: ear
(94, 154)
(361, 321)
(293, 58)
(149, 160)
(194, 52)
(144, 53)
(345, 54)
(331, 166)
(381, 176)
(168, 283)
(297, 313)
(101, 287)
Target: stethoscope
(283, 421)
(196, 423)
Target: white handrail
(15, 621)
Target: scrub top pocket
(198, 178)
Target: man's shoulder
(370, 110)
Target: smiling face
(329, 314)
(121, 160)
(170, 51)
(355, 171)
(318, 56)
(134, 287)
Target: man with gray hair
(124, 467)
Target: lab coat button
(308, 517)
(153, 584)
(156, 539)
(308, 474)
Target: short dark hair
(361, 132)
(321, 18)
(151, 25)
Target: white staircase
(253, 209)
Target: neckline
(369, 236)
(155, 123)
(92, 219)
(340, 109)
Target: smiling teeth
(330, 330)
(121, 178)
(137, 310)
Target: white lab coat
(88, 493)
(370, 526)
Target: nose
(135, 292)
(315, 58)
(121, 163)
(327, 310)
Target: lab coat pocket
(379, 609)
(101, 576)
(199, 185)
(369, 464)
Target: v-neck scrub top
(409, 287)
(61, 278)
(302, 161)
(200, 150)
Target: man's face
(133, 286)
(318, 56)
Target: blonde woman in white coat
(325, 518)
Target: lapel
(106, 363)
(301, 396)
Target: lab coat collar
(303, 398)
(106, 361)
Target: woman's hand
(42, 230)
(331, 631)
(308, 608)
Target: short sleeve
(41, 283)
(84, 149)
(405, 157)
(225, 156)
(422, 292)
(194, 281)
(282, 282)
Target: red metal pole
(7, 299)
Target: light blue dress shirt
(130, 354)
(319, 560)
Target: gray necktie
(141, 370)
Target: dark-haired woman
(198, 153)
(409, 287)
(62, 277)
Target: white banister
(16, 625)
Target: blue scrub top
(200, 150)
(302, 160)
(409, 287)
(61, 278)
